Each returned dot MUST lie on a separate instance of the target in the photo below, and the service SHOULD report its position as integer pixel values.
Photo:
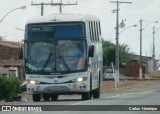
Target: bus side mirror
(91, 51)
(21, 52)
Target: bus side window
(99, 28)
(97, 31)
(90, 31)
(92, 26)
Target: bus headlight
(81, 79)
(33, 82)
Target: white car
(108, 74)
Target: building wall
(9, 58)
(145, 60)
(7, 53)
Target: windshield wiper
(48, 59)
(63, 61)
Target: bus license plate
(55, 88)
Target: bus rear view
(57, 57)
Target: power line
(60, 4)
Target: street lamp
(127, 28)
(22, 7)
(141, 29)
(19, 29)
(153, 56)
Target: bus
(62, 55)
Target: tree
(109, 50)
(108, 53)
(1, 38)
(125, 54)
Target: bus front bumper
(70, 88)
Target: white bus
(63, 55)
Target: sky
(147, 10)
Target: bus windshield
(55, 56)
(54, 31)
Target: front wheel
(54, 97)
(88, 95)
(36, 97)
(46, 96)
(96, 92)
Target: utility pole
(140, 68)
(40, 4)
(117, 38)
(153, 56)
(60, 4)
(153, 42)
(141, 29)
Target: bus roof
(62, 17)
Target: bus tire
(54, 97)
(96, 92)
(46, 96)
(88, 95)
(36, 97)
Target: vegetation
(9, 87)
(109, 51)
(2, 39)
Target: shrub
(9, 87)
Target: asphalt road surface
(121, 101)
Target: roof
(62, 17)
(10, 44)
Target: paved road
(144, 95)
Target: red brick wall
(132, 69)
(6, 53)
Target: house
(132, 67)
(9, 58)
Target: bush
(9, 87)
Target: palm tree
(125, 54)
(108, 53)
(109, 50)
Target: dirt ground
(108, 85)
(154, 74)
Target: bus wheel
(96, 93)
(54, 97)
(46, 96)
(88, 95)
(36, 97)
